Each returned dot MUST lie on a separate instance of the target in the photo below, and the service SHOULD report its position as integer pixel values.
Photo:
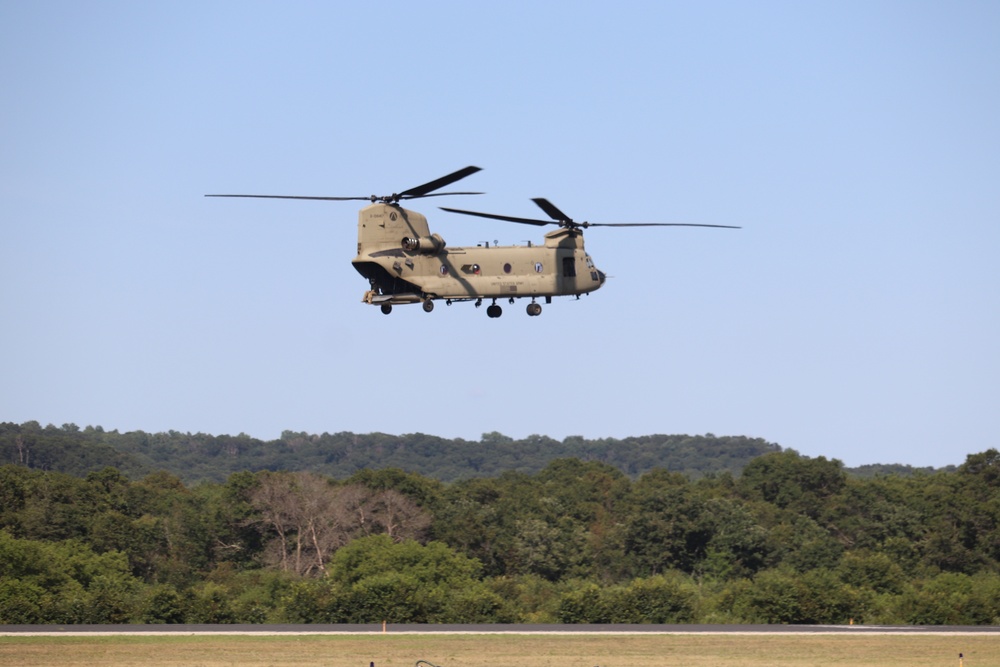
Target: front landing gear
(428, 305)
(494, 311)
(386, 308)
(534, 309)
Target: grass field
(505, 651)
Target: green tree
(433, 563)
(950, 598)
(550, 549)
(738, 544)
(669, 528)
(586, 603)
(162, 604)
(379, 579)
(784, 596)
(875, 571)
(791, 481)
(424, 491)
(985, 466)
(208, 602)
(63, 582)
(658, 599)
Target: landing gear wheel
(494, 311)
(386, 308)
(428, 305)
(534, 309)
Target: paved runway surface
(320, 629)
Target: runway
(491, 629)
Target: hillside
(201, 457)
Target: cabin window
(506, 267)
(569, 267)
(538, 267)
(444, 270)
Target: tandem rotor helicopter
(405, 263)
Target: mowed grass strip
(504, 651)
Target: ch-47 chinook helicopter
(405, 263)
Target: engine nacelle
(425, 245)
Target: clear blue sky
(854, 316)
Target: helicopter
(406, 264)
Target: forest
(785, 538)
(201, 457)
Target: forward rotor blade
(493, 216)
(653, 224)
(426, 188)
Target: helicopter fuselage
(405, 263)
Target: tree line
(201, 457)
(792, 539)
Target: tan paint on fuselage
(472, 272)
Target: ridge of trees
(793, 539)
(201, 457)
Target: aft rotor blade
(494, 216)
(296, 197)
(551, 210)
(426, 188)
(438, 194)
(653, 224)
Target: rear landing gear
(428, 305)
(534, 309)
(494, 311)
(386, 308)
